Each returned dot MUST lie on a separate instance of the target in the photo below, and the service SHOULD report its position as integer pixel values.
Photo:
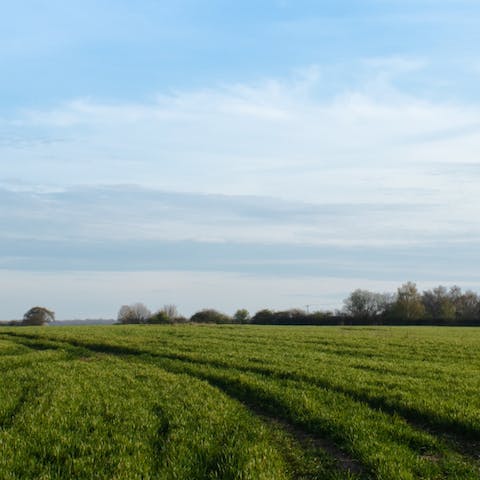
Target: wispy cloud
(270, 162)
(221, 140)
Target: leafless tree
(135, 313)
(467, 305)
(365, 304)
(170, 311)
(439, 304)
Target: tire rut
(459, 443)
(307, 440)
(346, 465)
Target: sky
(231, 155)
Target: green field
(239, 402)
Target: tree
(160, 317)
(467, 305)
(135, 313)
(38, 316)
(167, 315)
(170, 311)
(264, 317)
(363, 304)
(241, 316)
(408, 305)
(439, 303)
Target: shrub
(210, 316)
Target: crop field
(239, 402)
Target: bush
(210, 316)
(264, 317)
(160, 318)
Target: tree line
(407, 306)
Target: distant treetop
(38, 316)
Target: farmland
(239, 402)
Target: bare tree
(170, 311)
(467, 305)
(365, 304)
(135, 313)
(38, 316)
(439, 303)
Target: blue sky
(235, 154)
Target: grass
(240, 402)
